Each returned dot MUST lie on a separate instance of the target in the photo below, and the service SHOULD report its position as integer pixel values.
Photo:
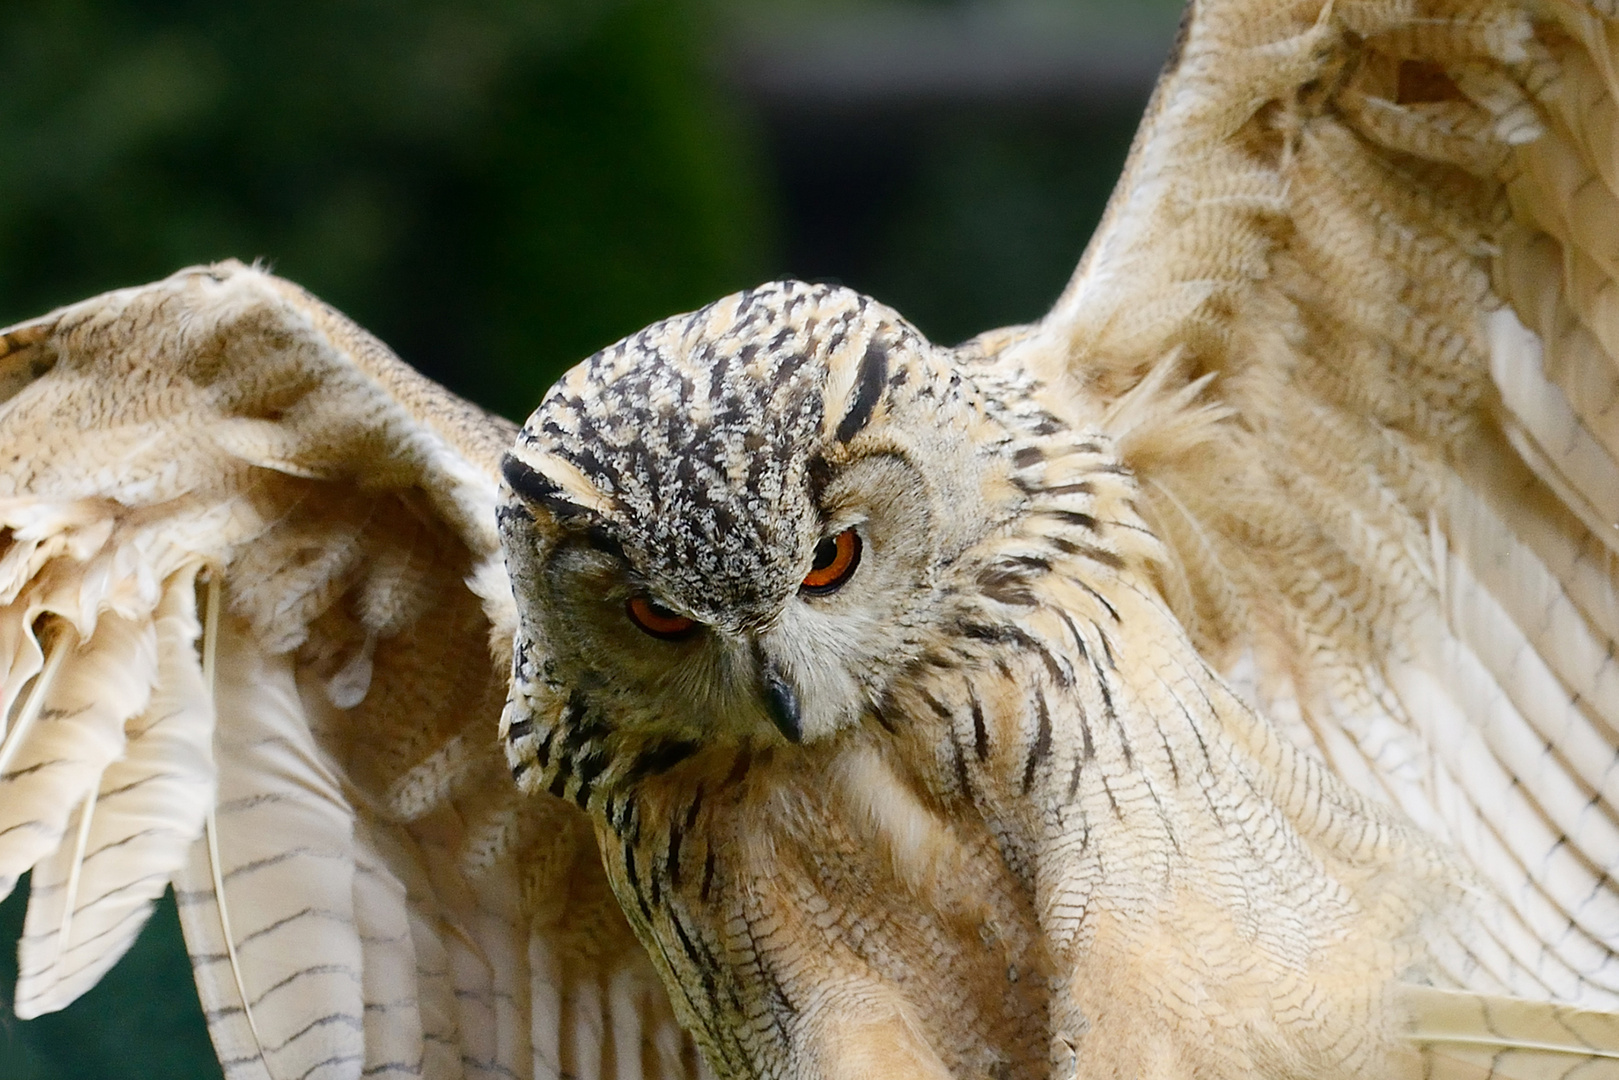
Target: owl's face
(743, 519)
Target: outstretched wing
(1353, 318)
(254, 639)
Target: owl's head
(740, 519)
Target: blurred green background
(498, 187)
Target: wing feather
(1466, 1036)
(136, 824)
(286, 837)
(1373, 246)
(360, 885)
(59, 764)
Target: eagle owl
(1215, 679)
(813, 615)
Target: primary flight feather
(1214, 679)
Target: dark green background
(496, 188)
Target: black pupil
(825, 553)
(659, 611)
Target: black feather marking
(572, 712)
(869, 389)
(1100, 555)
(1107, 695)
(584, 731)
(1169, 754)
(632, 877)
(959, 760)
(519, 728)
(671, 858)
(696, 804)
(1112, 713)
(1079, 642)
(708, 875)
(1112, 801)
(980, 732)
(593, 765)
(512, 512)
(1073, 778)
(1107, 650)
(1073, 517)
(536, 488)
(940, 709)
(1089, 751)
(1042, 740)
(660, 759)
(819, 474)
(1059, 674)
(1100, 599)
(1021, 640)
(1000, 634)
(599, 539)
(686, 946)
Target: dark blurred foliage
(496, 188)
(141, 1022)
(964, 218)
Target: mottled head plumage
(693, 444)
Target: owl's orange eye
(658, 620)
(835, 560)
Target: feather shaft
(61, 645)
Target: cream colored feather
(91, 897)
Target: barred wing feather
(1352, 317)
(254, 637)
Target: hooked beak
(781, 702)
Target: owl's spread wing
(254, 640)
(1353, 315)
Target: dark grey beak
(781, 702)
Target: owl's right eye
(657, 620)
(836, 558)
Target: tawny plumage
(1215, 679)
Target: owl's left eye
(657, 620)
(836, 558)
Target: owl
(1214, 679)
(813, 615)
